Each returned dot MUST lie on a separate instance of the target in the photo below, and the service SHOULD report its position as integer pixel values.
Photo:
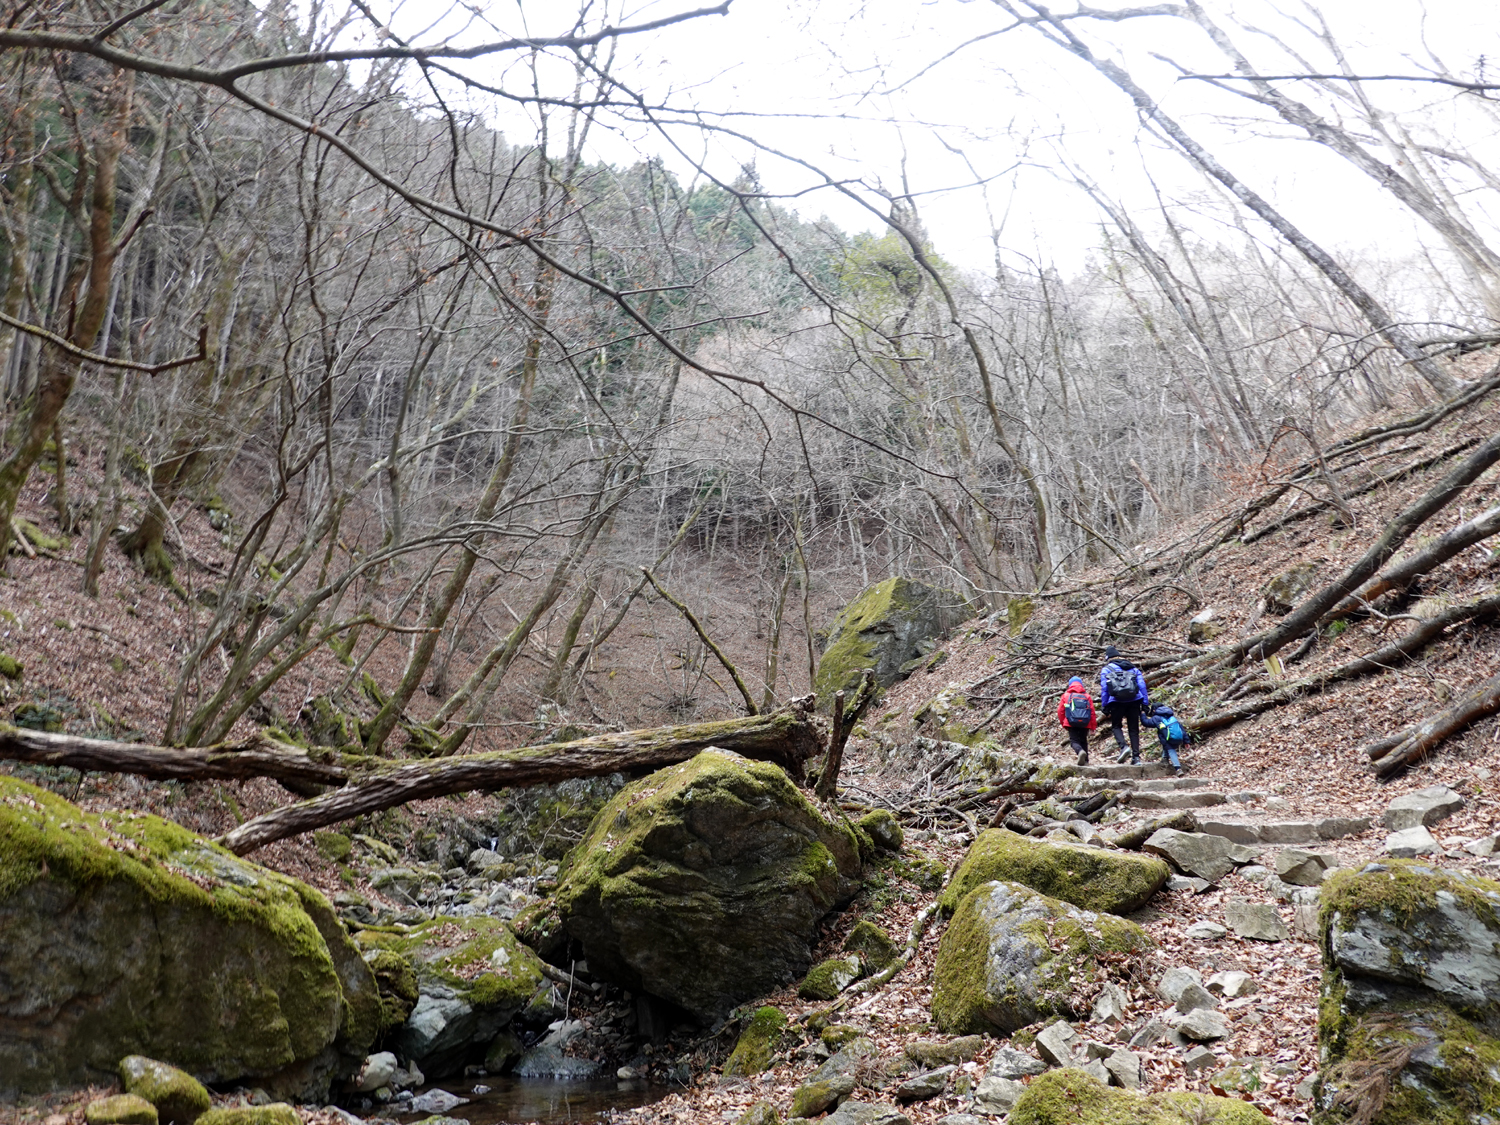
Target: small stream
(515, 1101)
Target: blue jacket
(1105, 699)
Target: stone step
(1284, 831)
(1181, 799)
(1127, 773)
(1169, 784)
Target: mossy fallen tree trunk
(1392, 755)
(229, 761)
(787, 738)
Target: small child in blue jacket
(1169, 732)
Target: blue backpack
(1168, 726)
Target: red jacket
(1062, 705)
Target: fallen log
(1422, 739)
(1414, 641)
(1131, 838)
(228, 761)
(1404, 571)
(787, 738)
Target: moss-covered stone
(756, 1047)
(826, 979)
(883, 628)
(1011, 957)
(873, 945)
(278, 1113)
(38, 716)
(1409, 1015)
(121, 1109)
(540, 926)
(177, 1096)
(473, 976)
(812, 1098)
(882, 828)
(761, 1113)
(333, 846)
(703, 883)
(1091, 878)
(1072, 1097)
(10, 667)
(115, 923)
(396, 983)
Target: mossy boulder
(10, 667)
(396, 984)
(873, 945)
(755, 1049)
(826, 979)
(703, 884)
(1011, 957)
(126, 933)
(1282, 593)
(1092, 878)
(1072, 1097)
(177, 1096)
(882, 829)
(884, 628)
(121, 1109)
(473, 978)
(1409, 1018)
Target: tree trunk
(1420, 740)
(787, 738)
(1405, 571)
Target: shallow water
(514, 1101)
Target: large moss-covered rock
(473, 977)
(1072, 1097)
(755, 1049)
(128, 934)
(178, 1097)
(1409, 1021)
(884, 628)
(1011, 957)
(1095, 879)
(703, 883)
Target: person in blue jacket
(1122, 693)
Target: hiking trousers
(1078, 738)
(1131, 714)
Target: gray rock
(1484, 847)
(1152, 1033)
(434, 1101)
(885, 627)
(1232, 984)
(1096, 1070)
(1425, 807)
(1182, 799)
(933, 1053)
(1175, 980)
(996, 972)
(1205, 931)
(1188, 883)
(997, 1095)
(1058, 1044)
(1110, 1005)
(846, 1061)
(1288, 832)
(1195, 996)
(920, 1087)
(1202, 628)
(865, 1113)
(550, 1062)
(1193, 853)
(1304, 869)
(818, 1094)
(1281, 594)
(1256, 873)
(704, 883)
(1334, 827)
(1202, 1025)
(1411, 842)
(1236, 831)
(1305, 921)
(375, 1072)
(1124, 1069)
(961, 1119)
(1011, 1063)
(1257, 920)
(1199, 1058)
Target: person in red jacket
(1075, 710)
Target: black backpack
(1077, 709)
(1121, 683)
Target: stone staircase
(1152, 786)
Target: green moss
(1407, 889)
(279, 996)
(825, 980)
(480, 959)
(10, 667)
(756, 1047)
(873, 945)
(1091, 878)
(857, 632)
(918, 868)
(333, 846)
(836, 1036)
(1071, 1097)
(179, 1098)
(761, 1113)
(38, 716)
(882, 828)
(38, 538)
(1018, 612)
(1049, 955)
(812, 1098)
(122, 1109)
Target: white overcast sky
(862, 88)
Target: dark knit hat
(1111, 651)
